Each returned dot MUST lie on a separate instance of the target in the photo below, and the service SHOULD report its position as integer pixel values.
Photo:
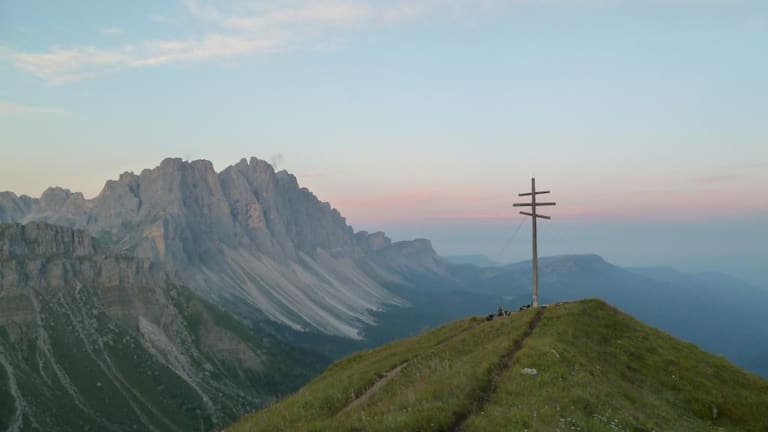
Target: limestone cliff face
(404, 257)
(41, 239)
(281, 218)
(94, 340)
(372, 242)
(247, 236)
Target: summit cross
(533, 204)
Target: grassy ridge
(443, 373)
(598, 370)
(601, 370)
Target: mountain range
(247, 238)
(171, 299)
(182, 297)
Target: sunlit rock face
(247, 235)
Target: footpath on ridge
(505, 362)
(389, 375)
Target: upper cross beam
(532, 193)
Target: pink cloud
(429, 203)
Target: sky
(425, 118)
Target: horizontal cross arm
(535, 215)
(531, 204)
(531, 193)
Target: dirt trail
(374, 388)
(504, 364)
(393, 373)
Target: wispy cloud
(323, 13)
(112, 31)
(230, 30)
(59, 66)
(10, 108)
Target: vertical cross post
(535, 249)
(534, 215)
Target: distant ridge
(476, 260)
(719, 313)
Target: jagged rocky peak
(62, 206)
(163, 196)
(246, 233)
(10, 196)
(246, 205)
(296, 218)
(180, 186)
(128, 177)
(13, 208)
(258, 175)
(127, 180)
(43, 240)
(55, 196)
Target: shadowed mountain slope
(96, 340)
(575, 366)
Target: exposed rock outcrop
(96, 340)
(13, 207)
(41, 239)
(247, 235)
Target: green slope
(121, 385)
(597, 370)
(95, 340)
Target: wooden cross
(533, 204)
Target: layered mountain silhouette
(246, 237)
(254, 242)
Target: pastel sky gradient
(648, 119)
